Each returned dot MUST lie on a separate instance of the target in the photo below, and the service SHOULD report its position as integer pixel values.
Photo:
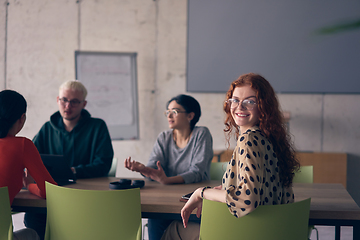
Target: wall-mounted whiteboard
(277, 39)
(111, 81)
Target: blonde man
(84, 141)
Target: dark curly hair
(271, 123)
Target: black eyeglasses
(248, 104)
(73, 103)
(174, 112)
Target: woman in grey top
(182, 154)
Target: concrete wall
(42, 36)
(2, 43)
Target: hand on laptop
(27, 179)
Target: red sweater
(17, 153)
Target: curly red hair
(271, 123)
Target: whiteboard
(111, 81)
(278, 39)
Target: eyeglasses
(174, 112)
(248, 104)
(72, 103)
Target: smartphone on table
(185, 197)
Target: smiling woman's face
(242, 116)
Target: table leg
(356, 230)
(337, 232)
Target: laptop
(58, 169)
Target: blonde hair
(74, 85)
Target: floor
(325, 232)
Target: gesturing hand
(158, 174)
(133, 165)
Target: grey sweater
(192, 162)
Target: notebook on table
(58, 169)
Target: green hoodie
(87, 147)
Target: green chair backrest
(112, 172)
(6, 229)
(270, 222)
(217, 170)
(92, 214)
(304, 175)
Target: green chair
(306, 175)
(112, 172)
(270, 222)
(6, 228)
(92, 214)
(217, 170)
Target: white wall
(42, 38)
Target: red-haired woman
(263, 163)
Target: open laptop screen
(58, 169)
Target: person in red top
(19, 153)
